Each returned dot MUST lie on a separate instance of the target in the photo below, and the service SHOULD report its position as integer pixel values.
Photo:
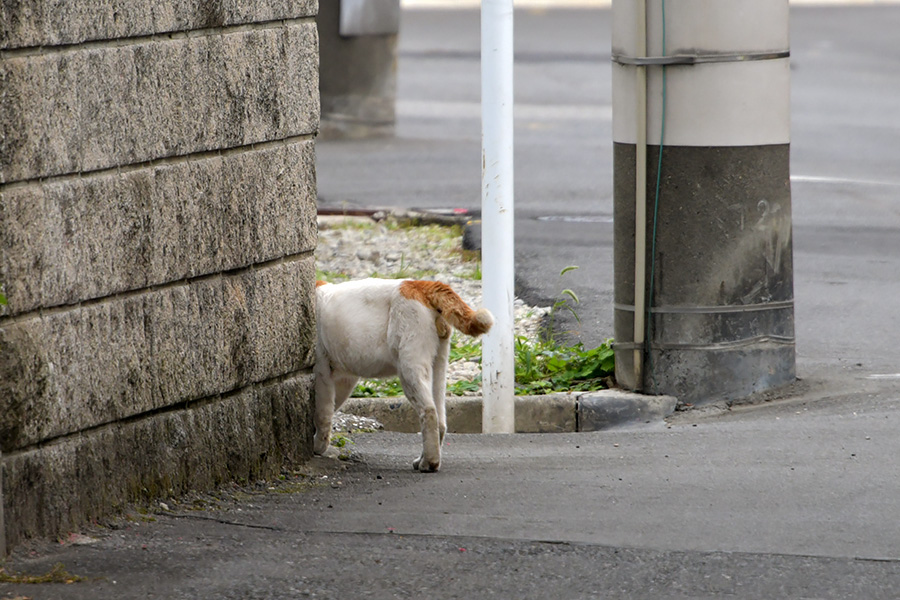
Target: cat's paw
(426, 466)
(321, 443)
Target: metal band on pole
(779, 340)
(711, 310)
(696, 59)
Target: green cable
(662, 131)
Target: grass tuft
(542, 367)
(57, 574)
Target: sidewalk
(788, 500)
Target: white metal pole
(497, 250)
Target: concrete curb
(552, 413)
(614, 408)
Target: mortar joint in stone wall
(183, 405)
(46, 311)
(165, 36)
(164, 161)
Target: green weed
(542, 367)
(460, 388)
(464, 349)
(378, 388)
(567, 300)
(359, 223)
(331, 276)
(473, 275)
(545, 366)
(405, 272)
(57, 574)
(339, 440)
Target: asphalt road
(792, 500)
(845, 166)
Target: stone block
(29, 23)
(69, 240)
(87, 366)
(552, 413)
(606, 409)
(23, 254)
(293, 401)
(464, 414)
(244, 436)
(100, 108)
(227, 212)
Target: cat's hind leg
(325, 394)
(416, 382)
(439, 385)
(343, 387)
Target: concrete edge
(552, 413)
(615, 408)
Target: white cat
(384, 327)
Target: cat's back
(353, 320)
(351, 297)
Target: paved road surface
(845, 166)
(791, 500)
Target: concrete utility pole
(498, 363)
(358, 67)
(711, 289)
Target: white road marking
(841, 180)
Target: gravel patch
(350, 423)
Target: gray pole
(357, 67)
(719, 273)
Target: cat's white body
(376, 328)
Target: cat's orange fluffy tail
(445, 301)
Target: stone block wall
(157, 228)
